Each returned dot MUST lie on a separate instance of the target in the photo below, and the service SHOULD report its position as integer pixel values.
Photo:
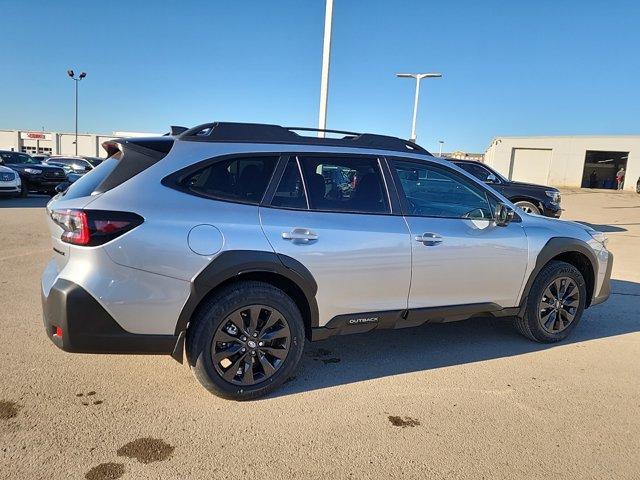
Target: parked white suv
(239, 242)
(10, 184)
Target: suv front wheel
(245, 340)
(528, 207)
(555, 303)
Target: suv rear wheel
(555, 303)
(245, 341)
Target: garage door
(530, 165)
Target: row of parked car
(21, 173)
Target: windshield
(15, 157)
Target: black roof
(265, 133)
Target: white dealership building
(571, 161)
(56, 143)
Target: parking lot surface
(462, 400)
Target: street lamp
(324, 78)
(77, 80)
(441, 142)
(418, 77)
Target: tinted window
(241, 179)
(88, 183)
(344, 184)
(477, 171)
(290, 191)
(438, 192)
(15, 157)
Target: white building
(55, 143)
(575, 161)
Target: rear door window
(344, 184)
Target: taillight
(93, 227)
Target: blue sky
(510, 68)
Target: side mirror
(491, 178)
(62, 187)
(503, 215)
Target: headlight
(598, 236)
(554, 195)
(33, 171)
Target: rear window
(88, 183)
(241, 179)
(134, 158)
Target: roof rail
(265, 133)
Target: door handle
(301, 235)
(429, 239)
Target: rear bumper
(88, 328)
(605, 289)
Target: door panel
(474, 261)
(361, 263)
(460, 256)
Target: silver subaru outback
(237, 243)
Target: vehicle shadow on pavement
(382, 353)
(604, 228)
(32, 201)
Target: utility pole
(324, 82)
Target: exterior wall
(61, 143)
(567, 156)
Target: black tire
(23, 191)
(215, 311)
(531, 325)
(528, 207)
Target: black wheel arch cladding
(238, 264)
(565, 249)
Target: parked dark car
(35, 176)
(537, 199)
(71, 164)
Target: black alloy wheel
(559, 304)
(251, 344)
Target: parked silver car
(236, 243)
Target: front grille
(53, 174)
(6, 188)
(7, 176)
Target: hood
(39, 166)
(5, 169)
(533, 185)
(559, 227)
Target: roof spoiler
(175, 130)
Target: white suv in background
(10, 184)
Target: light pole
(77, 80)
(324, 79)
(441, 142)
(418, 77)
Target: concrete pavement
(463, 400)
